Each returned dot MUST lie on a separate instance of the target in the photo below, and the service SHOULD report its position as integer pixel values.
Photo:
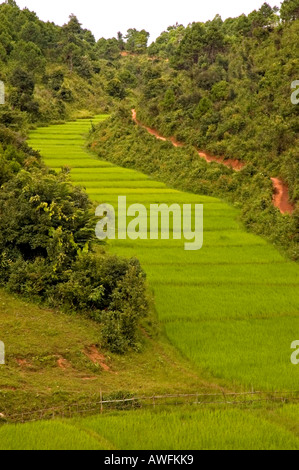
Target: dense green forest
(227, 89)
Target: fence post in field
(101, 399)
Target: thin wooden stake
(101, 396)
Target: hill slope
(54, 359)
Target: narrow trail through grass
(231, 308)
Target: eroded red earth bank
(281, 197)
(281, 191)
(235, 164)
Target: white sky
(106, 17)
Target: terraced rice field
(232, 307)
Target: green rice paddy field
(231, 308)
(161, 429)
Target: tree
(264, 17)
(289, 10)
(214, 38)
(116, 89)
(29, 56)
(169, 99)
(190, 47)
(22, 81)
(107, 49)
(168, 42)
(120, 40)
(72, 54)
(137, 40)
(31, 32)
(73, 27)
(55, 79)
(22, 95)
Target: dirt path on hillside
(281, 197)
(281, 190)
(234, 164)
(96, 357)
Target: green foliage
(128, 306)
(21, 95)
(169, 99)
(136, 41)
(57, 216)
(289, 10)
(55, 79)
(51, 72)
(167, 42)
(46, 241)
(108, 49)
(250, 189)
(29, 56)
(116, 89)
(220, 86)
(225, 89)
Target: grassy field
(183, 428)
(232, 307)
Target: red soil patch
(23, 363)
(236, 165)
(149, 130)
(281, 197)
(281, 190)
(63, 363)
(94, 355)
(132, 54)
(128, 54)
